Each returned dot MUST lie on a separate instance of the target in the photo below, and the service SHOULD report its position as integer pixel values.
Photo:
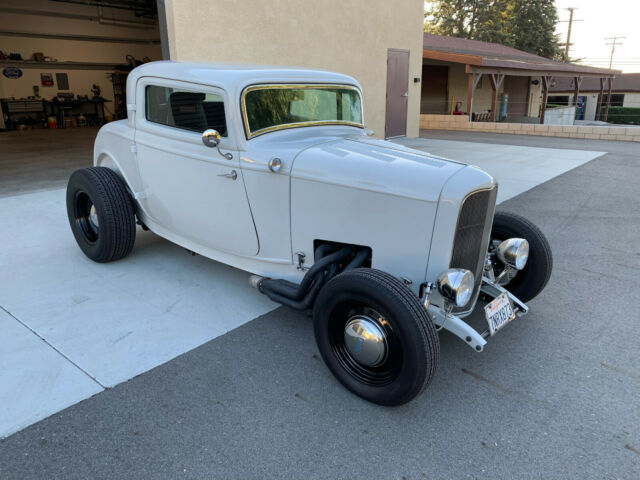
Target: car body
(265, 198)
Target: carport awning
(497, 61)
(484, 57)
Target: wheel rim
(365, 345)
(86, 217)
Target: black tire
(113, 235)
(531, 280)
(413, 351)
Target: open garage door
(63, 71)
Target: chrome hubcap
(93, 216)
(365, 340)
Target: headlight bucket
(456, 285)
(514, 252)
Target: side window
(189, 110)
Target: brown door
(518, 90)
(433, 98)
(397, 93)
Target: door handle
(233, 175)
(405, 94)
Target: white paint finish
(35, 380)
(374, 166)
(114, 320)
(376, 194)
(364, 218)
(183, 197)
(184, 184)
(118, 320)
(444, 227)
(516, 168)
(230, 78)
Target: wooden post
(606, 109)
(546, 82)
(474, 79)
(577, 81)
(600, 98)
(496, 81)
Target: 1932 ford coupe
(271, 170)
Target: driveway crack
(53, 347)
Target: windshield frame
(272, 86)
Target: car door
(190, 189)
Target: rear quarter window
(185, 109)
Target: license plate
(499, 312)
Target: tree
(528, 25)
(532, 25)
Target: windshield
(273, 107)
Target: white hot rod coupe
(271, 170)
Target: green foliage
(527, 25)
(628, 115)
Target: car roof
(232, 77)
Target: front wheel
(375, 336)
(531, 280)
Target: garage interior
(64, 68)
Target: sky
(603, 18)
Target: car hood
(375, 165)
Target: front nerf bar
(462, 329)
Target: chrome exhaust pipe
(255, 280)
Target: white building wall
(631, 100)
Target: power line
(613, 43)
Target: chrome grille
(472, 236)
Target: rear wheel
(375, 336)
(527, 283)
(101, 214)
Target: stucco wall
(348, 37)
(631, 100)
(459, 86)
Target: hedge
(629, 115)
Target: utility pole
(570, 21)
(613, 43)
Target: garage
(64, 65)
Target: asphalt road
(554, 395)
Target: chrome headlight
(514, 252)
(456, 285)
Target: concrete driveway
(554, 395)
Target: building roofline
(496, 56)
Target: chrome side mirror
(211, 137)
